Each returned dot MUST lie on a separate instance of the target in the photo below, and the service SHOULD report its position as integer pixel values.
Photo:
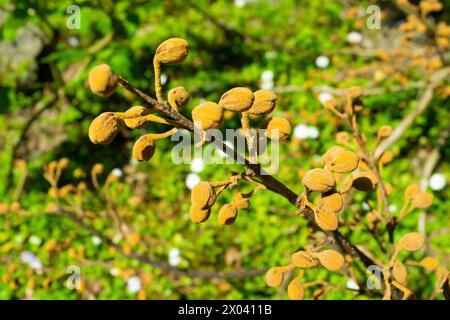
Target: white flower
(324, 97)
(163, 78)
(352, 285)
(96, 240)
(392, 208)
(31, 259)
(354, 37)
(192, 179)
(133, 284)
(322, 62)
(174, 257)
(437, 182)
(117, 172)
(301, 131)
(35, 240)
(197, 165)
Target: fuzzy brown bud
(102, 80)
(237, 99)
(104, 128)
(264, 102)
(144, 148)
(207, 115)
(278, 128)
(172, 51)
(319, 180)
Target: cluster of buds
(304, 259)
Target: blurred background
(306, 51)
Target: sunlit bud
(144, 148)
(399, 272)
(319, 180)
(198, 215)
(422, 200)
(332, 200)
(237, 99)
(136, 119)
(326, 219)
(274, 276)
(207, 115)
(295, 290)
(227, 214)
(202, 195)
(330, 259)
(102, 80)
(303, 259)
(413, 241)
(278, 128)
(104, 128)
(179, 96)
(264, 102)
(172, 51)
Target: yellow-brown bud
(172, 51)
(429, 263)
(136, 119)
(274, 276)
(422, 200)
(278, 129)
(198, 215)
(330, 259)
(207, 115)
(386, 157)
(237, 99)
(384, 132)
(104, 128)
(179, 96)
(330, 154)
(332, 201)
(264, 102)
(241, 202)
(203, 195)
(319, 180)
(326, 219)
(412, 241)
(295, 290)
(303, 259)
(344, 161)
(227, 214)
(144, 148)
(102, 80)
(399, 272)
(412, 190)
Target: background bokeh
(303, 50)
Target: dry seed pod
(207, 115)
(227, 214)
(264, 102)
(198, 215)
(429, 263)
(203, 195)
(240, 202)
(319, 180)
(274, 276)
(179, 96)
(399, 272)
(237, 99)
(326, 219)
(295, 290)
(343, 162)
(172, 51)
(331, 153)
(413, 241)
(303, 259)
(384, 132)
(332, 200)
(386, 157)
(330, 259)
(103, 128)
(136, 119)
(422, 200)
(412, 190)
(364, 181)
(102, 80)
(278, 129)
(144, 148)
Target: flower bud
(303, 259)
(412, 241)
(278, 129)
(207, 115)
(399, 272)
(429, 263)
(104, 128)
(422, 200)
(343, 162)
(412, 190)
(237, 99)
(198, 215)
(295, 290)
(264, 102)
(319, 180)
(384, 132)
(331, 153)
(332, 201)
(144, 148)
(332, 260)
(240, 202)
(136, 120)
(172, 51)
(102, 80)
(274, 277)
(227, 214)
(202, 195)
(386, 157)
(179, 95)
(326, 219)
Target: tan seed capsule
(303, 259)
(179, 96)
(399, 272)
(227, 214)
(240, 202)
(413, 241)
(364, 181)
(326, 219)
(429, 263)
(330, 154)
(198, 215)
(319, 180)
(332, 200)
(387, 157)
(278, 129)
(103, 128)
(384, 131)
(264, 102)
(343, 162)
(237, 99)
(102, 80)
(172, 51)
(135, 115)
(412, 190)
(144, 148)
(274, 277)
(203, 195)
(332, 260)
(422, 200)
(207, 115)
(295, 290)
